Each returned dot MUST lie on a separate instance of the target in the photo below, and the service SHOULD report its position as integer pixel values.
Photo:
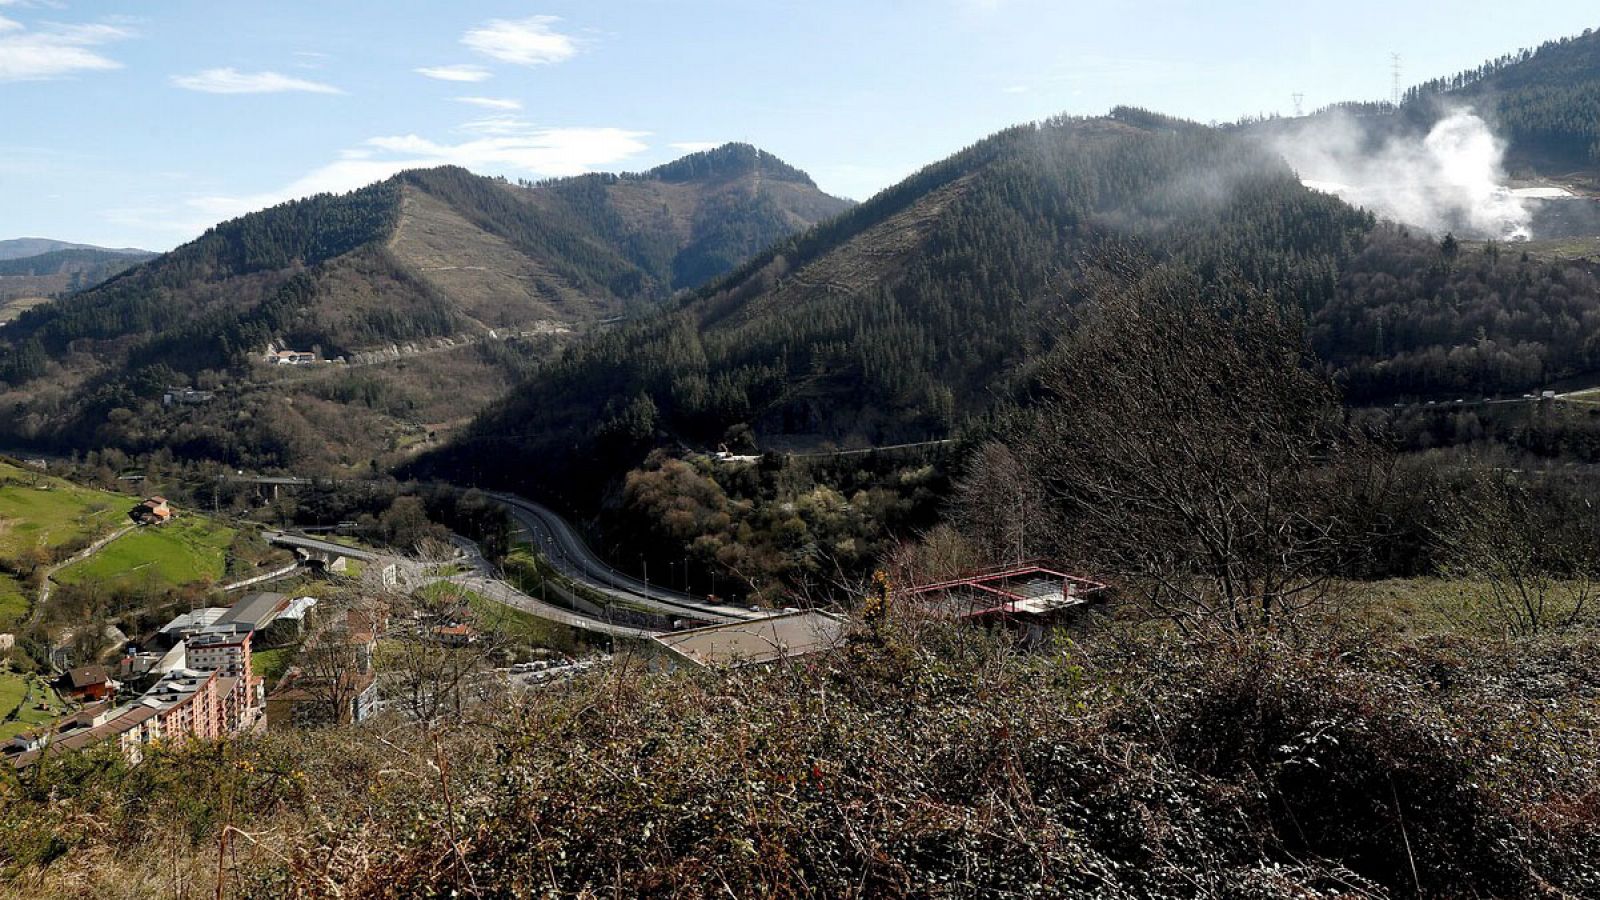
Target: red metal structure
(1024, 590)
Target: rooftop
(298, 608)
(118, 721)
(174, 688)
(757, 641)
(87, 676)
(253, 613)
(194, 620)
(218, 638)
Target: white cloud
(694, 146)
(61, 50)
(502, 124)
(455, 73)
(526, 42)
(491, 102)
(233, 81)
(535, 151)
(538, 152)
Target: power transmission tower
(1299, 105)
(1394, 69)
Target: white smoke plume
(1452, 180)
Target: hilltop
(475, 272)
(17, 248)
(1543, 103)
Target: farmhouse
(278, 357)
(88, 683)
(153, 511)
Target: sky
(143, 123)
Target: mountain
(921, 313)
(921, 308)
(16, 248)
(435, 288)
(70, 262)
(30, 281)
(1544, 101)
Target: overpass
(503, 593)
(327, 554)
(552, 537)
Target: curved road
(560, 543)
(566, 551)
(500, 592)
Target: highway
(559, 543)
(566, 551)
(300, 541)
(501, 592)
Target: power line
(1394, 69)
(1299, 105)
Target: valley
(1122, 505)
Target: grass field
(13, 602)
(53, 513)
(181, 552)
(271, 664)
(12, 305)
(513, 624)
(19, 699)
(522, 627)
(1586, 249)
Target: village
(361, 631)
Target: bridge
(327, 554)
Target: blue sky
(142, 123)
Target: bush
(926, 761)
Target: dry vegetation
(918, 761)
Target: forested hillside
(17, 248)
(90, 263)
(928, 307)
(925, 306)
(28, 281)
(1546, 101)
(429, 262)
(1419, 319)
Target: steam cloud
(1451, 180)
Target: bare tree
(1530, 559)
(1188, 442)
(429, 671)
(333, 670)
(999, 506)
